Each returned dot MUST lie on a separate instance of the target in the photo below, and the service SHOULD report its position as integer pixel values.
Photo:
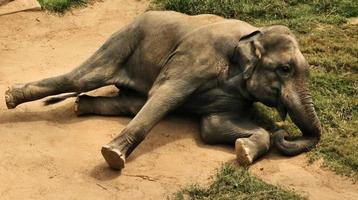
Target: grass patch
(60, 5)
(236, 183)
(336, 99)
(334, 60)
(332, 48)
(299, 15)
(329, 45)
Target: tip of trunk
(294, 147)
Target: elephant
(204, 65)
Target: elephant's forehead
(278, 42)
(279, 57)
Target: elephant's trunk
(298, 101)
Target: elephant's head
(274, 71)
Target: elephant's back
(160, 32)
(157, 21)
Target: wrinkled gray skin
(206, 65)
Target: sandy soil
(49, 153)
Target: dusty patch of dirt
(18, 6)
(49, 153)
(310, 180)
(353, 20)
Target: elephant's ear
(247, 53)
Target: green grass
(232, 182)
(337, 104)
(333, 56)
(60, 5)
(331, 48)
(300, 15)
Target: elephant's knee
(209, 131)
(208, 137)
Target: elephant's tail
(59, 98)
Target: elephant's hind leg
(77, 81)
(251, 141)
(98, 71)
(118, 105)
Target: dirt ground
(49, 153)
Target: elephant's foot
(243, 153)
(14, 96)
(114, 158)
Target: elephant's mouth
(282, 110)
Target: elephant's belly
(213, 101)
(142, 68)
(138, 75)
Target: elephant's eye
(284, 70)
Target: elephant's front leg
(251, 141)
(163, 99)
